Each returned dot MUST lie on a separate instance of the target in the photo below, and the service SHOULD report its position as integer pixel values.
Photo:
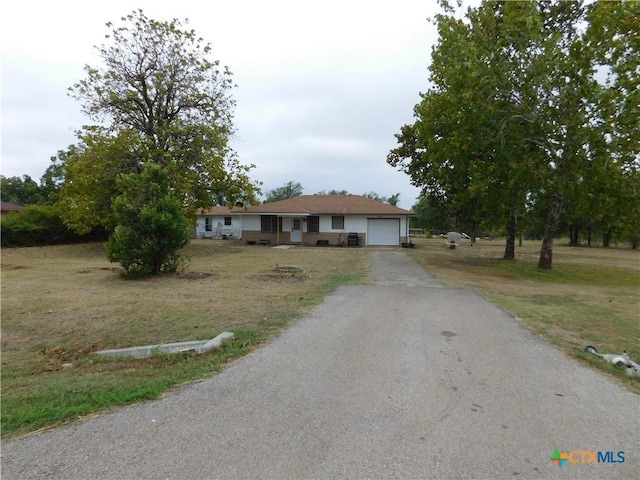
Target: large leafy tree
(466, 145)
(564, 90)
(509, 123)
(158, 99)
(613, 42)
(588, 129)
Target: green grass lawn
(60, 304)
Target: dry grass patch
(591, 297)
(60, 304)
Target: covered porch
(285, 228)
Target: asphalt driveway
(401, 379)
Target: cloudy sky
(322, 86)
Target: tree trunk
(553, 220)
(473, 230)
(606, 239)
(510, 247)
(589, 236)
(575, 233)
(156, 264)
(571, 231)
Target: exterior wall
(312, 239)
(231, 231)
(286, 224)
(251, 223)
(404, 229)
(352, 224)
(252, 236)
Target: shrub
(151, 224)
(40, 225)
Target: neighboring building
(8, 207)
(314, 220)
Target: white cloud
(322, 87)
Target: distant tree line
(293, 189)
(39, 223)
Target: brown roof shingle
(11, 207)
(328, 204)
(219, 211)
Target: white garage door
(383, 231)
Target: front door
(296, 231)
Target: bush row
(41, 225)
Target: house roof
(325, 205)
(219, 211)
(10, 207)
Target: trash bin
(352, 240)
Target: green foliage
(25, 191)
(433, 213)
(392, 200)
(54, 177)
(91, 169)
(163, 102)
(288, 190)
(516, 124)
(332, 192)
(612, 200)
(22, 191)
(40, 225)
(151, 224)
(466, 148)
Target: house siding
(251, 223)
(352, 224)
(230, 231)
(357, 212)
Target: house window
(313, 224)
(208, 224)
(227, 220)
(269, 223)
(337, 223)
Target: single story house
(313, 220)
